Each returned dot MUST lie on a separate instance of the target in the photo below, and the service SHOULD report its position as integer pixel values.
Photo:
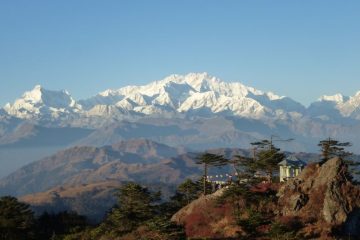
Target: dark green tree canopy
(59, 224)
(211, 159)
(207, 160)
(135, 205)
(245, 167)
(268, 157)
(333, 148)
(16, 219)
(187, 192)
(263, 144)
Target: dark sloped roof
(292, 161)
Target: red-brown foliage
(265, 187)
(197, 225)
(291, 222)
(199, 221)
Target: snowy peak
(201, 82)
(33, 96)
(40, 101)
(337, 98)
(351, 107)
(177, 90)
(336, 106)
(56, 99)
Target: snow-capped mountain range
(194, 110)
(195, 94)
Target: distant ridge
(195, 110)
(176, 95)
(134, 160)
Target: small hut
(290, 167)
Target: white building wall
(288, 172)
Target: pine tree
(207, 160)
(188, 190)
(16, 219)
(244, 167)
(332, 148)
(268, 157)
(135, 206)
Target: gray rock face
(323, 196)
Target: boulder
(324, 198)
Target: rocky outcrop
(321, 203)
(204, 218)
(324, 198)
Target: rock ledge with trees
(321, 203)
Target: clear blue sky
(302, 49)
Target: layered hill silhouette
(134, 160)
